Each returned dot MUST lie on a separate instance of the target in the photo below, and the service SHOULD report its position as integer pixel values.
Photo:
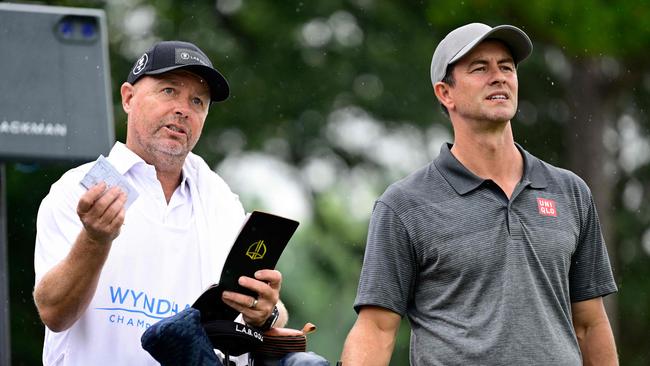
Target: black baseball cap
(166, 56)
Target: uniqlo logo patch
(546, 207)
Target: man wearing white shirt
(104, 274)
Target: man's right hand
(102, 212)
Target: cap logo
(140, 65)
(546, 207)
(185, 56)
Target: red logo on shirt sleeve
(546, 207)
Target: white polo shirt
(165, 256)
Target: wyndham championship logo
(129, 307)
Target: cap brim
(517, 41)
(219, 89)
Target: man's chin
(501, 116)
(172, 150)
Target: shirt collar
(123, 159)
(464, 181)
(185, 179)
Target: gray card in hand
(104, 171)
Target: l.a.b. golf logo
(256, 250)
(185, 56)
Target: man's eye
(198, 101)
(168, 91)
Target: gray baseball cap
(462, 40)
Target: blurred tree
(339, 92)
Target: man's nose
(181, 108)
(497, 76)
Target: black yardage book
(259, 245)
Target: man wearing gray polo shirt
(495, 257)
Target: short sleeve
(590, 275)
(57, 226)
(389, 267)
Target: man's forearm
(64, 293)
(597, 345)
(594, 333)
(366, 348)
(372, 338)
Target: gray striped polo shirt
(483, 279)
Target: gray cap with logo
(462, 40)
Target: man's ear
(127, 90)
(442, 92)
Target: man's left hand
(267, 285)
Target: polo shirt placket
(463, 181)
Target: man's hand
(102, 213)
(267, 285)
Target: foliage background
(331, 101)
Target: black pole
(5, 349)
